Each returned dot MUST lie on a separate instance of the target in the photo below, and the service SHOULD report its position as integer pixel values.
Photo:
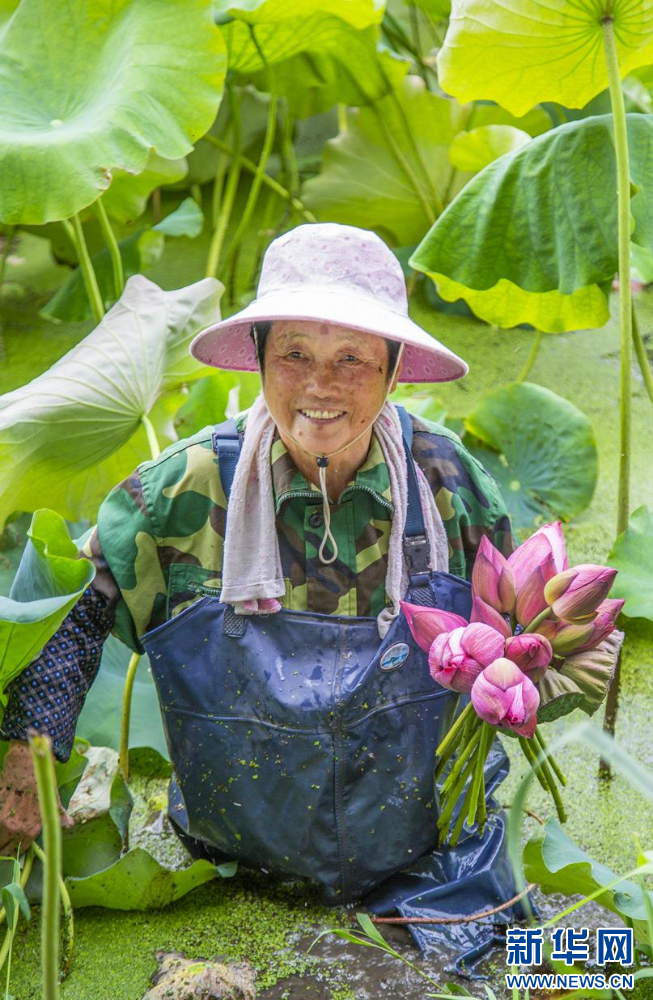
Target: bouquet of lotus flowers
(541, 642)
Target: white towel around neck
(252, 578)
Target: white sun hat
(329, 273)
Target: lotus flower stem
(455, 793)
(460, 741)
(481, 814)
(46, 784)
(67, 912)
(463, 756)
(536, 621)
(542, 766)
(625, 297)
(531, 757)
(487, 735)
(112, 244)
(76, 233)
(540, 739)
(453, 840)
(456, 730)
(640, 351)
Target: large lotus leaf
(543, 219)
(70, 303)
(353, 71)
(127, 197)
(632, 555)
(521, 52)
(390, 168)
(437, 10)
(76, 430)
(95, 85)
(138, 882)
(100, 719)
(50, 580)
(285, 27)
(540, 449)
(206, 161)
(557, 864)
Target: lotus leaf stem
(68, 915)
(9, 235)
(114, 249)
(46, 783)
(640, 351)
(231, 187)
(530, 360)
(24, 875)
(89, 277)
(126, 715)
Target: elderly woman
(260, 563)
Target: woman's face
(324, 384)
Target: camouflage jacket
(159, 536)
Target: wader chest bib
(301, 743)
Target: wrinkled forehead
(327, 336)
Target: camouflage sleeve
(128, 539)
(467, 497)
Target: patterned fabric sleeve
(49, 694)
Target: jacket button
(316, 520)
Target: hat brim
(228, 344)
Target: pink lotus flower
(503, 695)
(492, 577)
(457, 658)
(578, 637)
(575, 594)
(427, 623)
(531, 652)
(533, 564)
(482, 612)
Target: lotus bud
(457, 658)
(533, 563)
(492, 578)
(427, 623)
(482, 612)
(531, 652)
(591, 634)
(575, 594)
(503, 695)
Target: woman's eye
(350, 357)
(295, 354)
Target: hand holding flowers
(531, 617)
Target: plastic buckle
(418, 553)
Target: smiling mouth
(323, 416)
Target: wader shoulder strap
(226, 445)
(416, 545)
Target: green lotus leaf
(437, 10)
(473, 150)
(632, 555)
(521, 52)
(186, 220)
(88, 88)
(137, 882)
(206, 161)
(76, 430)
(127, 197)
(540, 448)
(70, 303)
(284, 28)
(544, 220)
(593, 670)
(328, 76)
(390, 168)
(50, 580)
(557, 864)
(100, 719)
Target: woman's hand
(20, 815)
